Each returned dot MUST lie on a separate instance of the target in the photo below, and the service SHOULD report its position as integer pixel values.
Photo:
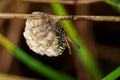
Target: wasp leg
(72, 41)
(68, 45)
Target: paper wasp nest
(43, 37)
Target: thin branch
(64, 1)
(59, 18)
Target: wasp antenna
(72, 41)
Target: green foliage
(83, 51)
(31, 62)
(114, 3)
(113, 75)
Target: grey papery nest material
(42, 37)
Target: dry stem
(60, 18)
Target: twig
(64, 1)
(59, 18)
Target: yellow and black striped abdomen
(62, 43)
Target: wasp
(44, 37)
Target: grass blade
(113, 75)
(33, 63)
(83, 52)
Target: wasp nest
(43, 37)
